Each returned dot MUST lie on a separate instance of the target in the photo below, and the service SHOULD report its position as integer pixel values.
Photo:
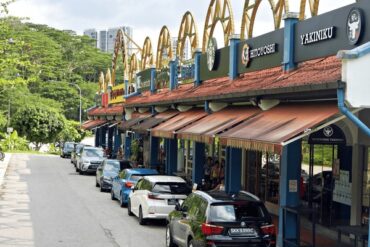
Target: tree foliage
(13, 142)
(39, 124)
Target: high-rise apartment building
(103, 41)
(92, 33)
(186, 55)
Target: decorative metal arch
(119, 46)
(218, 11)
(101, 82)
(108, 80)
(188, 29)
(164, 48)
(313, 4)
(250, 12)
(133, 68)
(147, 57)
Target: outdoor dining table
(360, 232)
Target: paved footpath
(44, 202)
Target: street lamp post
(79, 90)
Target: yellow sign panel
(116, 94)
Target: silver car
(89, 159)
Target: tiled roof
(313, 72)
(110, 110)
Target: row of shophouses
(270, 106)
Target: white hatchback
(154, 197)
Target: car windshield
(235, 211)
(78, 149)
(171, 188)
(112, 166)
(68, 146)
(93, 153)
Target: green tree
(13, 142)
(39, 124)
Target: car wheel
(122, 201)
(191, 243)
(129, 209)
(141, 219)
(112, 195)
(81, 172)
(169, 239)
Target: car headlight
(86, 163)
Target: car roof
(221, 196)
(164, 179)
(141, 171)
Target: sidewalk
(4, 166)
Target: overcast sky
(145, 16)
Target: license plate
(172, 201)
(242, 231)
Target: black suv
(219, 219)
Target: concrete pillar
(152, 79)
(110, 138)
(127, 146)
(154, 151)
(234, 56)
(357, 179)
(171, 156)
(117, 139)
(198, 162)
(233, 178)
(97, 137)
(290, 19)
(197, 80)
(290, 175)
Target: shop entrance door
(328, 184)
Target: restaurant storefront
(267, 106)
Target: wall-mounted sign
(354, 26)
(211, 53)
(331, 134)
(117, 94)
(143, 80)
(162, 79)
(186, 71)
(318, 35)
(248, 53)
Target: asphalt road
(44, 202)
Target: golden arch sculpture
(250, 11)
(218, 11)
(101, 83)
(119, 46)
(133, 68)
(164, 48)
(147, 57)
(313, 5)
(188, 29)
(108, 80)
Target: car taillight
(268, 230)
(129, 185)
(154, 196)
(208, 229)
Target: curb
(4, 166)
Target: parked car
(105, 174)
(127, 178)
(67, 149)
(75, 152)
(89, 159)
(154, 197)
(220, 219)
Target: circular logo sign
(328, 131)
(245, 55)
(354, 26)
(211, 53)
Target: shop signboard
(262, 52)
(104, 99)
(331, 135)
(143, 80)
(117, 94)
(220, 63)
(326, 34)
(186, 72)
(162, 78)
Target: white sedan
(154, 197)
